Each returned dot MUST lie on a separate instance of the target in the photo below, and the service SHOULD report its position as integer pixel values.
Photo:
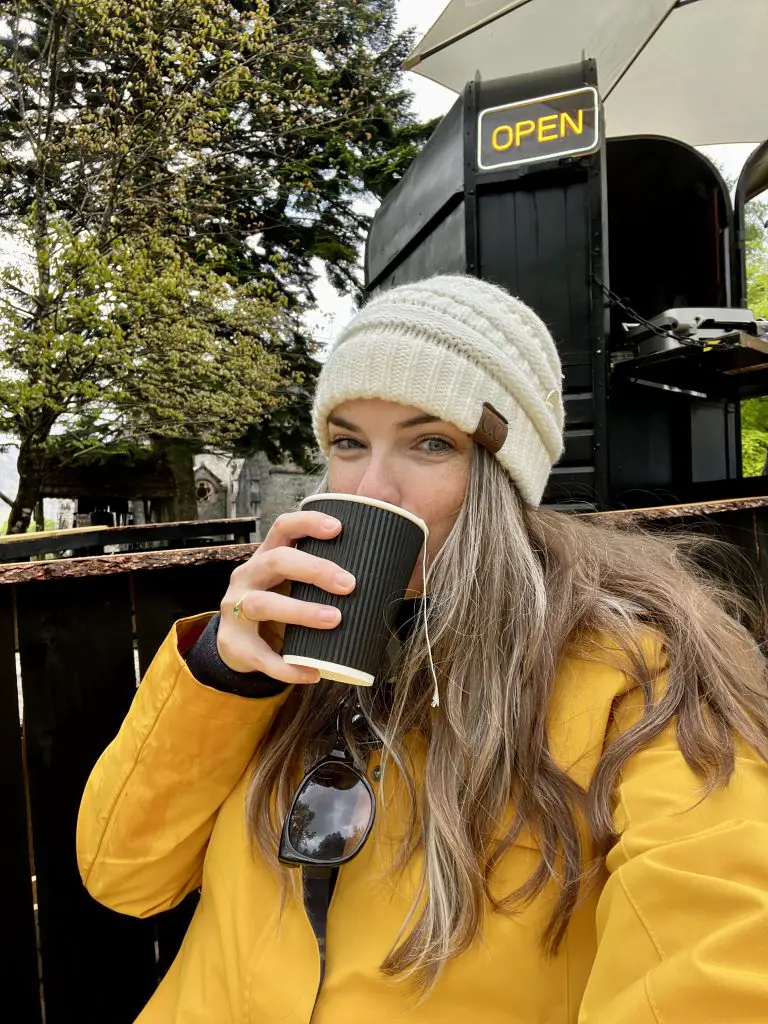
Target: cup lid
(362, 500)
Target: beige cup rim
(362, 500)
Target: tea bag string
(436, 692)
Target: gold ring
(237, 611)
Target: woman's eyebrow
(415, 421)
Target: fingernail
(344, 579)
(308, 675)
(329, 615)
(330, 525)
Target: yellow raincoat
(677, 932)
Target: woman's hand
(252, 642)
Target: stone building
(216, 485)
(249, 487)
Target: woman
(578, 832)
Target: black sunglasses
(332, 812)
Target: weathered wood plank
(56, 541)
(16, 538)
(130, 531)
(699, 508)
(106, 565)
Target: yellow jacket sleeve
(682, 922)
(151, 801)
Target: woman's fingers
(292, 526)
(266, 570)
(265, 606)
(264, 659)
(251, 641)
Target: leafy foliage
(50, 524)
(754, 412)
(134, 342)
(173, 171)
(754, 435)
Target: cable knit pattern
(447, 345)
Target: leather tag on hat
(492, 430)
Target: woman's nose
(380, 483)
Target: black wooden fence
(76, 627)
(77, 631)
(92, 540)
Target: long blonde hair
(512, 590)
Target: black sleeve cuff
(206, 666)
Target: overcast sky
(432, 100)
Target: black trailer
(632, 252)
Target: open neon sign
(545, 128)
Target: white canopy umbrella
(694, 70)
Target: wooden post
(139, 511)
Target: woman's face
(400, 454)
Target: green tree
(146, 344)
(106, 318)
(757, 258)
(754, 411)
(758, 291)
(754, 436)
(218, 148)
(296, 200)
(302, 191)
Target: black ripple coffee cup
(380, 545)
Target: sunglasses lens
(331, 815)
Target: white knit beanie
(455, 346)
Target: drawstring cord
(436, 692)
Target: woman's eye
(443, 445)
(344, 444)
